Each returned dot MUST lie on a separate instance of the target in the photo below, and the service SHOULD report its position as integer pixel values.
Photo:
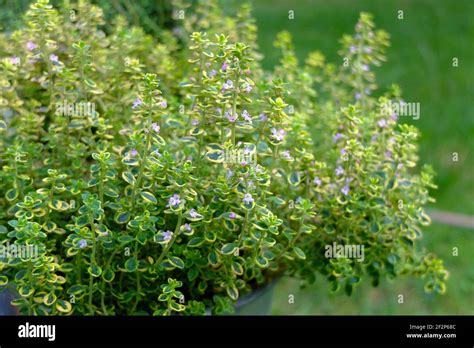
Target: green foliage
(137, 198)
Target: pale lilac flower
(388, 154)
(195, 122)
(353, 48)
(278, 134)
(365, 67)
(246, 116)
(339, 171)
(336, 137)
(247, 71)
(394, 117)
(227, 85)
(30, 46)
(219, 110)
(208, 64)
(263, 117)
(187, 227)
(343, 152)
(15, 60)
(248, 199)
(212, 73)
(382, 123)
(232, 215)
(250, 184)
(367, 91)
(136, 103)
(229, 174)
(345, 190)
(243, 163)
(163, 104)
(193, 213)
(357, 96)
(317, 181)
(248, 87)
(368, 50)
(133, 152)
(224, 66)
(286, 154)
(155, 127)
(175, 200)
(259, 169)
(374, 138)
(230, 116)
(167, 236)
(82, 244)
(54, 58)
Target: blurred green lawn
(420, 61)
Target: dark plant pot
(259, 302)
(5, 307)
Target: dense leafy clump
(156, 175)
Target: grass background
(423, 45)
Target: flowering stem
(170, 244)
(91, 279)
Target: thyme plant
(171, 174)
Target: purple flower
(15, 60)
(187, 227)
(352, 48)
(248, 88)
(230, 116)
(163, 104)
(388, 154)
(357, 96)
(243, 163)
(219, 110)
(30, 46)
(229, 174)
(227, 85)
(345, 190)
(212, 73)
(343, 152)
(193, 213)
(278, 134)
(208, 64)
(167, 236)
(317, 181)
(248, 199)
(195, 122)
(263, 117)
(368, 50)
(136, 103)
(246, 116)
(365, 67)
(224, 66)
(374, 138)
(286, 154)
(232, 215)
(133, 152)
(382, 123)
(259, 169)
(82, 243)
(394, 117)
(155, 127)
(336, 137)
(54, 58)
(339, 171)
(174, 201)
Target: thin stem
(170, 244)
